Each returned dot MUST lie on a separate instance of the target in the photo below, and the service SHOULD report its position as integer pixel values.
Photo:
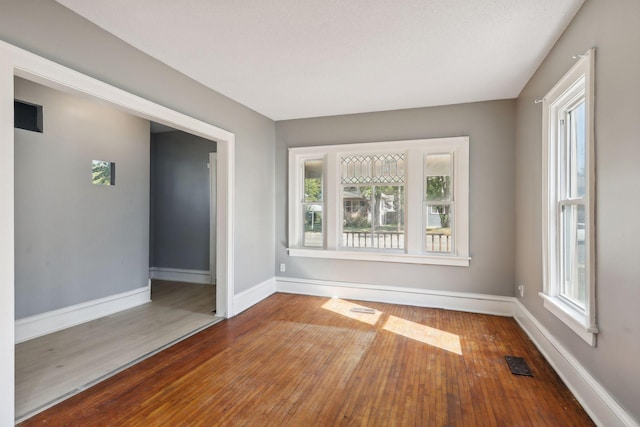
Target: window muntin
(375, 201)
(568, 201)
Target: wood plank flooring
(296, 360)
(57, 365)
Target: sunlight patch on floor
(425, 334)
(415, 331)
(345, 308)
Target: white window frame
(415, 151)
(577, 84)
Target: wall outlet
(283, 268)
(521, 290)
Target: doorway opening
(182, 215)
(78, 241)
(19, 63)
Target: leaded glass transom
(373, 169)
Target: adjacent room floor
(295, 360)
(58, 365)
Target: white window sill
(574, 319)
(455, 261)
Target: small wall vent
(27, 116)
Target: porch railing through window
(392, 240)
(438, 242)
(367, 239)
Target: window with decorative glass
(568, 220)
(369, 201)
(372, 189)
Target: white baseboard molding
(253, 295)
(56, 320)
(460, 301)
(595, 399)
(202, 277)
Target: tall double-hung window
(569, 199)
(400, 201)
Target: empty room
(399, 213)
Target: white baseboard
(56, 320)
(460, 301)
(253, 295)
(595, 399)
(202, 277)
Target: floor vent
(362, 310)
(518, 366)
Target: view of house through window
(439, 202)
(373, 215)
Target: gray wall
(612, 27)
(180, 200)
(52, 31)
(76, 241)
(490, 126)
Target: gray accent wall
(54, 32)
(76, 241)
(490, 127)
(612, 28)
(180, 200)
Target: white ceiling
(305, 58)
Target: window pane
(438, 233)
(438, 177)
(313, 180)
(313, 224)
(373, 217)
(576, 151)
(388, 217)
(103, 173)
(356, 217)
(573, 255)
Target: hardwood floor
(60, 364)
(295, 360)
